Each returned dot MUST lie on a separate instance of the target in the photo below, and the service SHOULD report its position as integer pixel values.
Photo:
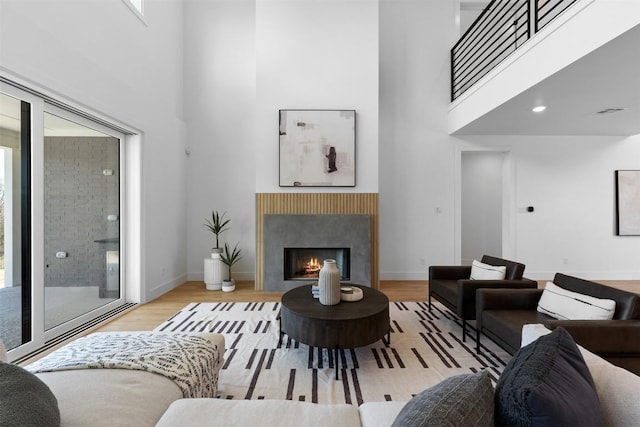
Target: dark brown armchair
(452, 286)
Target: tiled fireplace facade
(345, 224)
(324, 235)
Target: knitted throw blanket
(190, 361)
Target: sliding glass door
(61, 210)
(81, 219)
(15, 289)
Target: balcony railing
(502, 27)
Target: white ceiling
(608, 77)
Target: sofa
(501, 315)
(108, 397)
(616, 391)
(454, 286)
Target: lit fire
(312, 266)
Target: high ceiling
(607, 79)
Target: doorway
(485, 197)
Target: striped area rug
(425, 348)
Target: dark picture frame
(628, 202)
(317, 148)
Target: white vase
(329, 283)
(213, 272)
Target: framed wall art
(317, 148)
(628, 203)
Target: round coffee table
(343, 326)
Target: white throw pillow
(567, 305)
(3, 353)
(482, 271)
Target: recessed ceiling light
(539, 109)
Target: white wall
(220, 104)
(569, 180)
(570, 183)
(416, 154)
(317, 54)
(99, 56)
(245, 60)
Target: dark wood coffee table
(343, 326)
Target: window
(136, 6)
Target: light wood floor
(148, 316)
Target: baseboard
(422, 275)
(165, 287)
(199, 276)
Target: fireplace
(345, 238)
(305, 263)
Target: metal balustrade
(502, 27)
(547, 10)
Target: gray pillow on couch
(547, 383)
(463, 401)
(25, 400)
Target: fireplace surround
(331, 233)
(335, 203)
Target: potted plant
(217, 224)
(230, 257)
(213, 267)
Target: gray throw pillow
(547, 383)
(461, 401)
(25, 400)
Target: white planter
(228, 285)
(213, 269)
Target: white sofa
(117, 397)
(617, 389)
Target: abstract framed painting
(317, 148)
(628, 203)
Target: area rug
(425, 348)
